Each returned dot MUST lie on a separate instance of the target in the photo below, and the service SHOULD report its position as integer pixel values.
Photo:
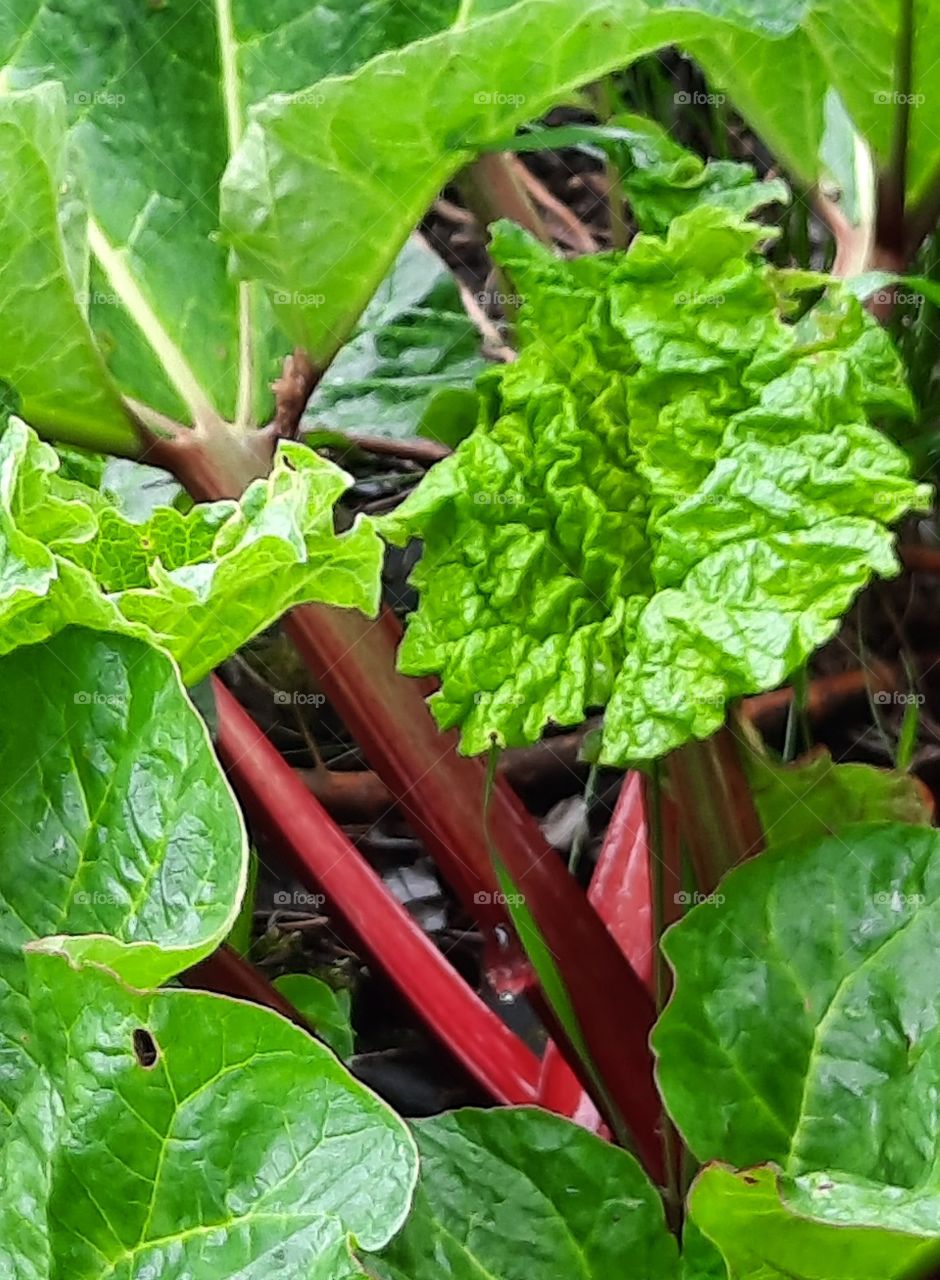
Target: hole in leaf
(145, 1047)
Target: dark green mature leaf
(821, 1227)
(198, 583)
(415, 342)
(518, 1194)
(671, 497)
(47, 352)
(804, 1012)
(157, 95)
(196, 1138)
(116, 823)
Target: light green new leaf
(662, 179)
(116, 823)
(326, 1010)
(47, 352)
(200, 1139)
(519, 1194)
(804, 1012)
(157, 96)
(820, 1227)
(414, 345)
(670, 499)
(198, 583)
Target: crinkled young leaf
(200, 1139)
(669, 501)
(414, 344)
(519, 1194)
(819, 1227)
(662, 179)
(116, 823)
(198, 583)
(804, 1011)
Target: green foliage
(518, 1194)
(669, 501)
(185, 1135)
(326, 1010)
(414, 352)
(198, 584)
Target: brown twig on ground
(572, 230)
(292, 390)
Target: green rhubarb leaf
(815, 796)
(306, 198)
(670, 500)
(326, 1010)
(519, 1194)
(804, 1012)
(662, 179)
(198, 583)
(414, 345)
(47, 352)
(157, 96)
(820, 1227)
(116, 823)
(198, 1138)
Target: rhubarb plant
(669, 500)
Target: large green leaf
(518, 1194)
(855, 56)
(815, 1228)
(47, 352)
(198, 583)
(192, 1137)
(805, 1014)
(669, 501)
(157, 96)
(356, 160)
(415, 346)
(116, 823)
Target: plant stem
(717, 815)
(321, 855)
